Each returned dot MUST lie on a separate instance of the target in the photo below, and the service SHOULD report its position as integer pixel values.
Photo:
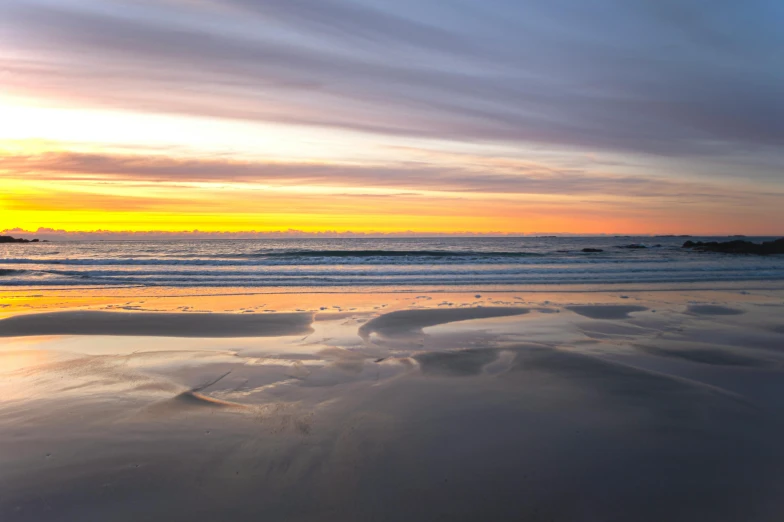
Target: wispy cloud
(509, 178)
(671, 78)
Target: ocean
(317, 264)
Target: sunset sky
(507, 116)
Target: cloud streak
(403, 179)
(690, 78)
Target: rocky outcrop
(637, 246)
(738, 246)
(9, 239)
(592, 250)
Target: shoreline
(242, 301)
(761, 283)
(208, 290)
(276, 315)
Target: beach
(377, 261)
(560, 404)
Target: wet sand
(145, 324)
(505, 406)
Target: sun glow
(83, 169)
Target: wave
(254, 258)
(394, 253)
(10, 272)
(327, 261)
(375, 263)
(408, 270)
(401, 275)
(604, 279)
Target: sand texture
(590, 407)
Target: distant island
(10, 239)
(738, 247)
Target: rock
(633, 246)
(592, 250)
(9, 239)
(738, 246)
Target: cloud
(402, 180)
(687, 78)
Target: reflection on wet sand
(156, 324)
(407, 323)
(606, 311)
(473, 413)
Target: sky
(394, 116)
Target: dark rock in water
(592, 250)
(9, 239)
(738, 246)
(633, 246)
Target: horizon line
(121, 235)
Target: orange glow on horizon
(173, 181)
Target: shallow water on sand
(588, 407)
